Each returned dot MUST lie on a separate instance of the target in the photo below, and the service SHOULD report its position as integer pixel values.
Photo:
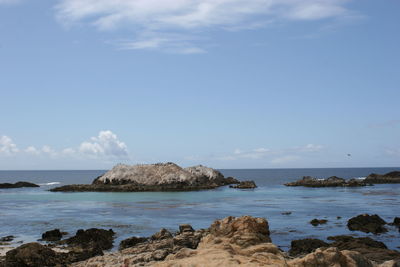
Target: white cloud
(284, 159)
(106, 144)
(7, 145)
(159, 19)
(49, 151)
(32, 150)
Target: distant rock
(388, 178)
(367, 223)
(17, 185)
(332, 181)
(316, 222)
(153, 177)
(245, 185)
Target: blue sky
(230, 83)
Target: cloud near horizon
(169, 25)
(105, 146)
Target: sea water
(28, 212)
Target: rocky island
(332, 181)
(153, 177)
(388, 178)
(17, 185)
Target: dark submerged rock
(7, 238)
(316, 222)
(32, 254)
(388, 178)
(53, 235)
(92, 238)
(305, 246)
(185, 228)
(332, 181)
(17, 185)
(245, 185)
(367, 223)
(131, 242)
(368, 247)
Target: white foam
(360, 178)
(51, 183)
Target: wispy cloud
(187, 17)
(7, 145)
(272, 156)
(104, 146)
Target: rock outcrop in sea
(367, 223)
(388, 178)
(332, 181)
(17, 185)
(154, 177)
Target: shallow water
(28, 212)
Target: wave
(51, 183)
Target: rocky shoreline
(233, 241)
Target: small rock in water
(245, 185)
(367, 223)
(286, 213)
(53, 235)
(7, 238)
(316, 222)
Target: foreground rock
(242, 241)
(93, 238)
(333, 181)
(388, 178)
(154, 177)
(367, 223)
(245, 185)
(305, 246)
(17, 185)
(371, 249)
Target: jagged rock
(30, 255)
(332, 181)
(53, 235)
(305, 246)
(316, 222)
(92, 238)
(153, 177)
(162, 234)
(185, 228)
(396, 222)
(371, 249)
(367, 223)
(17, 185)
(131, 242)
(326, 257)
(388, 178)
(245, 185)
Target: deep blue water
(28, 212)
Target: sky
(88, 84)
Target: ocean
(28, 212)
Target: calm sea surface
(27, 212)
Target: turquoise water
(29, 212)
